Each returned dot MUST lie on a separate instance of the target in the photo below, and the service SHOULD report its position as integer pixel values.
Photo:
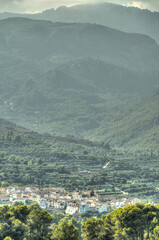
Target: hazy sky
(30, 6)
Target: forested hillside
(68, 78)
(44, 39)
(136, 126)
(28, 158)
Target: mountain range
(128, 19)
(43, 39)
(79, 96)
(81, 78)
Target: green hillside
(43, 39)
(78, 79)
(136, 126)
(28, 157)
(31, 158)
(68, 77)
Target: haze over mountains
(127, 19)
(74, 76)
(41, 39)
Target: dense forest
(136, 126)
(134, 222)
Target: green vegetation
(22, 222)
(137, 221)
(48, 85)
(134, 222)
(55, 78)
(136, 126)
(78, 81)
(31, 158)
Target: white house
(5, 202)
(84, 208)
(10, 190)
(102, 208)
(60, 205)
(119, 204)
(43, 203)
(135, 200)
(71, 209)
(28, 189)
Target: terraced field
(28, 157)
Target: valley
(45, 160)
(79, 101)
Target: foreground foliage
(134, 222)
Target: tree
(155, 234)
(107, 146)
(14, 228)
(4, 230)
(8, 238)
(65, 231)
(17, 138)
(21, 212)
(92, 229)
(5, 214)
(18, 229)
(16, 203)
(132, 222)
(56, 217)
(4, 184)
(38, 222)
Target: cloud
(149, 4)
(38, 5)
(137, 4)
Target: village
(58, 200)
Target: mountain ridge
(128, 19)
(68, 77)
(116, 46)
